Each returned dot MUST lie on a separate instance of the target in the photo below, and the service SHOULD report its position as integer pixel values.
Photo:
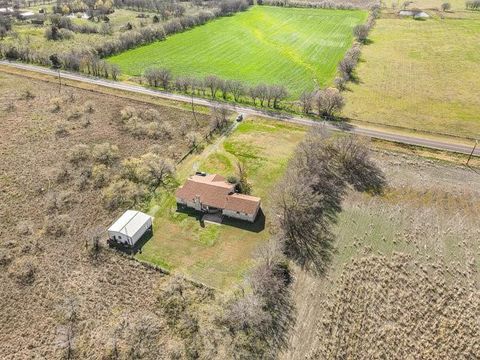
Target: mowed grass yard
(294, 47)
(219, 255)
(421, 75)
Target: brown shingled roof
(244, 203)
(214, 191)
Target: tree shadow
(342, 123)
(257, 226)
(366, 177)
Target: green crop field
(421, 75)
(294, 47)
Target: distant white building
(130, 227)
(26, 15)
(415, 13)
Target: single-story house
(130, 227)
(211, 193)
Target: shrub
(193, 138)
(79, 153)
(61, 130)
(105, 153)
(446, 6)
(23, 270)
(27, 95)
(73, 114)
(100, 175)
(66, 34)
(57, 226)
(5, 257)
(55, 104)
(127, 113)
(361, 32)
(59, 201)
(150, 169)
(89, 107)
(123, 193)
(151, 115)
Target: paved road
(377, 134)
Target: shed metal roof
(130, 222)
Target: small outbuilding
(130, 227)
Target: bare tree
(306, 101)
(329, 102)
(193, 139)
(278, 93)
(219, 118)
(361, 32)
(236, 88)
(213, 83)
(244, 186)
(165, 77)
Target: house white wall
(131, 240)
(141, 231)
(240, 215)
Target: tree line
(309, 197)
(216, 87)
(472, 4)
(73, 59)
(322, 4)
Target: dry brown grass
(44, 212)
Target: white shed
(130, 227)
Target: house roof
(213, 190)
(244, 203)
(130, 222)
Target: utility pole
(473, 150)
(59, 81)
(193, 111)
(57, 65)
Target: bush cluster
(147, 124)
(472, 4)
(322, 4)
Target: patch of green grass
(219, 255)
(294, 47)
(420, 75)
(209, 235)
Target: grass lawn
(219, 255)
(294, 47)
(421, 75)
